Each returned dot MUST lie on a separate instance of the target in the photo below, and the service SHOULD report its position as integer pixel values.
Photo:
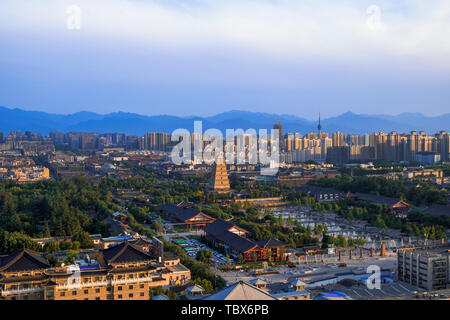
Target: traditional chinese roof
(257, 282)
(195, 289)
(220, 226)
(140, 242)
(390, 202)
(190, 213)
(23, 260)
(241, 291)
(171, 209)
(125, 253)
(271, 243)
(238, 243)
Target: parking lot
(193, 246)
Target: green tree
(84, 239)
(51, 246)
(204, 256)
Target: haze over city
(205, 57)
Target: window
(119, 288)
(74, 293)
(130, 287)
(97, 298)
(86, 291)
(97, 290)
(130, 295)
(119, 296)
(142, 294)
(62, 294)
(141, 286)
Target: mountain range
(136, 124)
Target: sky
(203, 57)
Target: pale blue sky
(203, 57)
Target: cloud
(283, 29)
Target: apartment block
(427, 269)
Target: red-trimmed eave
(401, 202)
(200, 213)
(235, 226)
(251, 249)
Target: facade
(425, 269)
(185, 214)
(122, 272)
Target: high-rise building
(278, 126)
(155, 141)
(338, 139)
(338, 155)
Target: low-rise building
(121, 272)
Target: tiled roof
(270, 243)
(218, 227)
(238, 243)
(23, 260)
(140, 242)
(124, 253)
(170, 208)
(377, 199)
(195, 289)
(190, 213)
(241, 291)
(257, 282)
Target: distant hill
(131, 123)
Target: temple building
(185, 214)
(220, 182)
(125, 271)
(235, 241)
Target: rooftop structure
(241, 291)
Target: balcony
(133, 280)
(82, 285)
(7, 292)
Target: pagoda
(220, 181)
